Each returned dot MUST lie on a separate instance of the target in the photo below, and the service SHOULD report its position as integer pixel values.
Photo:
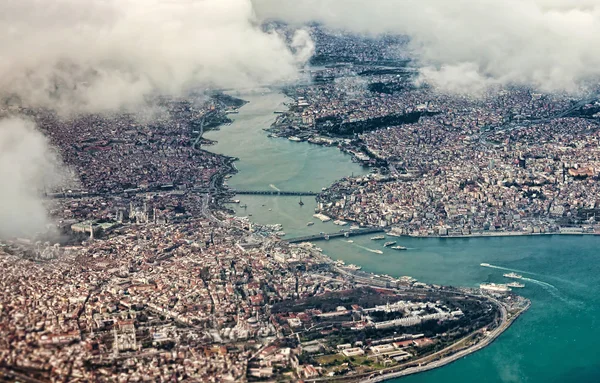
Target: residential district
(507, 161)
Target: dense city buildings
(506, 161)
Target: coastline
(412, 367)
(452, 358)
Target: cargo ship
(496, 288)
(378, 237)
(512, 275)
(515, 284)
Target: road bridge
(274, 192)
(341, 233)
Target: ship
(484, 264)
(497, 288)
(310, 224)
(513, 276)
(516, 285)
(399, 248)
(390, 243)
(378, 237)
(376, 251)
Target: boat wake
(554, 292)
(371, 250)
(274, 187)
(550, 288)
(509, 269)
(530, 273)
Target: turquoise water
(554, 341)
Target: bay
(554, 341)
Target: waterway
(556, 340)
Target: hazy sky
(551, 45)
(105, 54)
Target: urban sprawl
(152, 279)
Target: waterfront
(552, 342)
(267, 163)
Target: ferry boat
(390, 243)
(484, 265)
(353, 267)
(497, 288)
(399, 248)
(378, 237)
(376, 251)
(513, 276)
(310, 224)
(515, 284)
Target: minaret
(116, 343)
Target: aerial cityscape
(313, 199)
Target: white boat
(512, 275)
(516, 285)
(497, 288)
(398, 248)
(390, 243)
(377, 237)
(484, 264)
(310, 224)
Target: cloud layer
(550, 45)
(98, 55)
(27, 167)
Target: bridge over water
(274, 192)
(341, 233)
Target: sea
(554, 341)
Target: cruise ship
(497, 288)
(378, 237)
(390, 243)
(512, 275)
(516, 285)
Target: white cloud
(547, 44)
(96, 55)
(28, 165)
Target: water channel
(555, 341)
